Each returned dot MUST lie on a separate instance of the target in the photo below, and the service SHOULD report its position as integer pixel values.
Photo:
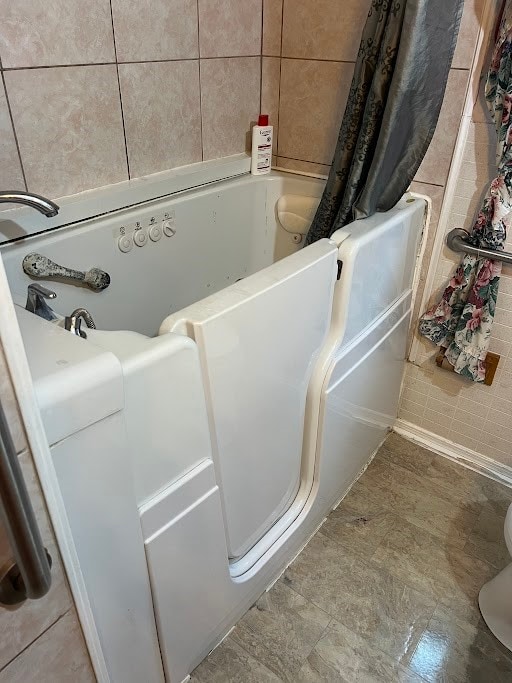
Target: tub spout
(73, 322)
(43, 205)
(36, 295)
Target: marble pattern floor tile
(416, 460)
(495, 497)
(443, 572)
(453, 650)
(281, 630)
(364, 597)
(487, 541)
(387, 589)
(359, 524)
(341, 655)
(229, 663)
(421, 502)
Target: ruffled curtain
(461, 322)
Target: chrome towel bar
(29, 575)
(457, 241)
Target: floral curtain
(392, 109)
(461, 322)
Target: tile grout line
(247, 650)
(255, 633)
(280, 78)
(438, 603)
(326, 61)
(261, 57)
(200, 84)
(120, 95)
(11, 117)
(125, 61)
(276, 136)
(304, 161)
(18, 654)
(245, 647)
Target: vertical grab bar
(30, 576)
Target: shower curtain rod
(457, 238)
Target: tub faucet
(36, 295)
(73, 322)
(43, 205)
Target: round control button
(168, 228)
(140, 237)
(125, 243)
(155, 233)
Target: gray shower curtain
(392, 110)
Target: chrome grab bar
(29, 576)
(456, 241)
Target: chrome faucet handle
(73, 322)
(38, 265)
(36, 295)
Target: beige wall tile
(464, 440)
(10, 406)
(468, 34)
(162, 115)
(272, 24)
(411, 407)
(58, 656)
(496, 454)
(303, 166)
(23, 625)
(323, 29)
(447, 409)
(436, 164)
(230, 101)
(230, 28)
(435, 427)
(270, 76)
(55, 32)
(313, 98)
(69, 127)
(478, 410)
(486, 133)
(161, 29)
(496, 448)
(440, 419)
(11, 176)
(408, 416)
(416, 396)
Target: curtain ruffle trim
(467, 361)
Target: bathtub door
(258, 341)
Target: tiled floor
(386, 591)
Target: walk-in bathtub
(235, 387)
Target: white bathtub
(227, 400)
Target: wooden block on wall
(491, 360)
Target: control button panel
(155, 232)
(140, 237)
(125, 243)
(141, 231)
(168, 228)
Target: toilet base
(495, 600)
